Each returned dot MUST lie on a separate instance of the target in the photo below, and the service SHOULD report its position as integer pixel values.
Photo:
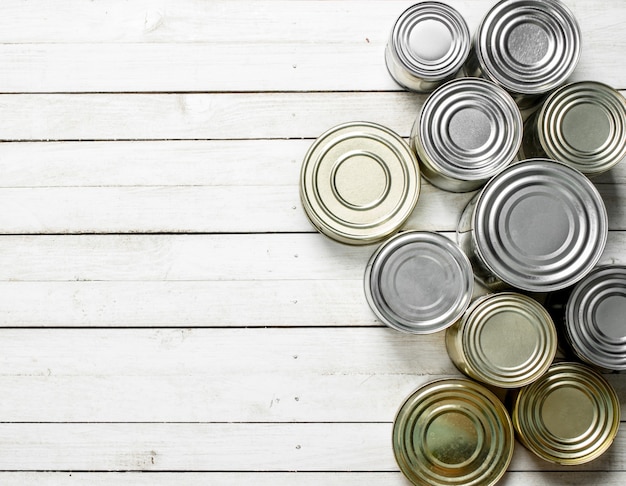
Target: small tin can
(452, 432)
(595, 318)
(538, 226)
(359, 183)
(428, 45)
(581, 124)
(569, 416)
(529, 47)
(418, 282)
(506, 340)
(467, 131)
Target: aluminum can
(453, 432)
(506, 340)
(428, 45)
(595, 318)
(359, 182)
(529, 47)
(418, 282)
(581, 124)
(568, 416)
(466, 132)
(538, 226)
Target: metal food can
(359, 183)
(529, 47)
(568, 416)
(452, 432)
(595, 318)
(506, 340)
(418, 282)
(428, 45)
(581, 124)
(467, 131)
(538, 226)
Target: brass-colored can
(568, 416)
(580, 124)
(506, 340)
(453, 432)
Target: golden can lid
(359, 182)
(568, 416)
(507, 340)
(452, 432)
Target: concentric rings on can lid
(453, 432)
(568, 416)
(468, 130)
(540, 225)
(418, 282)
(429, 42)
(584, 125)
(359, 182)
(595, 318)
(528, 46)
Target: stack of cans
(536, 226)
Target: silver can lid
(418, 282)
(540, 225)
(359, 182)
(595, 318)
(469, 129)
(528, 46)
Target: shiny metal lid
(528, 46)
(540, 225)
(429, 41)
(508, 340)
(568, 416)
(468, 129)
(453, 432)
(359, 182)
(595, 318)
(584, 125)
(418, 282)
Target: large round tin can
(538, 226)
(581, 124)
(467, 131)
(359, 182)
(529, 47)
(453, 432)
(568, 416)
(595, 318)
(428, 45)
(506, 340)
(418, 282)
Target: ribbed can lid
(453, 432)
(540, 225)
(568, 416)
(584, 125)
(359, 182)
(418, 282)
(595, 318)
(528, 46)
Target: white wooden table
(166, 307)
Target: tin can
(569, 416)
(595, 318)
(581, 124)
(506, 340)
(359, 183)
(529, 47)
(428, 45)
(538, 226)
(467, 131)
(452, 432)
(418, 282)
